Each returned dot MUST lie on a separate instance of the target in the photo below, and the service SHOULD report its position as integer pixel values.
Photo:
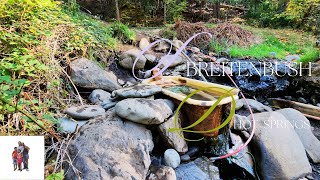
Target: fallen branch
(307, 109)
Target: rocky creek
(123, 130)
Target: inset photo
(22, 157)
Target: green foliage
(217, 47)
(122, 32)
(273, 44)
(56, 176)
(303, 13)
(168, 33)
(36, 37)
(175, 10)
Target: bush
(122, 32)
(168, 33)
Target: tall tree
(117, 9)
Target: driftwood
(308, 110)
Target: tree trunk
(217, 9)
(164, 12)
(117, 10)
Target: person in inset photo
(14, 158)
(19, 159)
(25, 154)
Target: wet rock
(241, 123)
(314, 99)
(185, 158)
(144, 111)
(193, 151)
(242, 158)
(87, 74)
(278, 150)
(318, 104)
(180, 68)
(259, 81)
(292, 58)
(302, 100)
(137, 91)
(162, 47)
(150, 58)
(84, 112)
(303, 128)
(222, 60)
(171, 158)
(201, 168)
(255, 105)
(161, 173)
(167, 58)
(144, 42)
(172, 138)
(69, 126)
(98, 96)
(109, 148)
(127, 59)
(310, 84)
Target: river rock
(222, 60)
(193, 150)
(84, 112)
(292, 58)
(241, 123)
(201, 168)
(167, 58)
(87, 74)
(144, 111)
(162, 47)
(242, 158)
(303, 128)
(195, 49)
(180, 68)
(255, 105)
(144, 42)
(302, 100)
(109, 148)
(127, 59)
(277, 149)
(137, 91)
(108, 103)
(177, 43)
(310, 80)
(150, 58)
(69, 126)
(239, 104)
(185, 158)
(172, 138)
(161, 173)
(98, 96)
(171, 158)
